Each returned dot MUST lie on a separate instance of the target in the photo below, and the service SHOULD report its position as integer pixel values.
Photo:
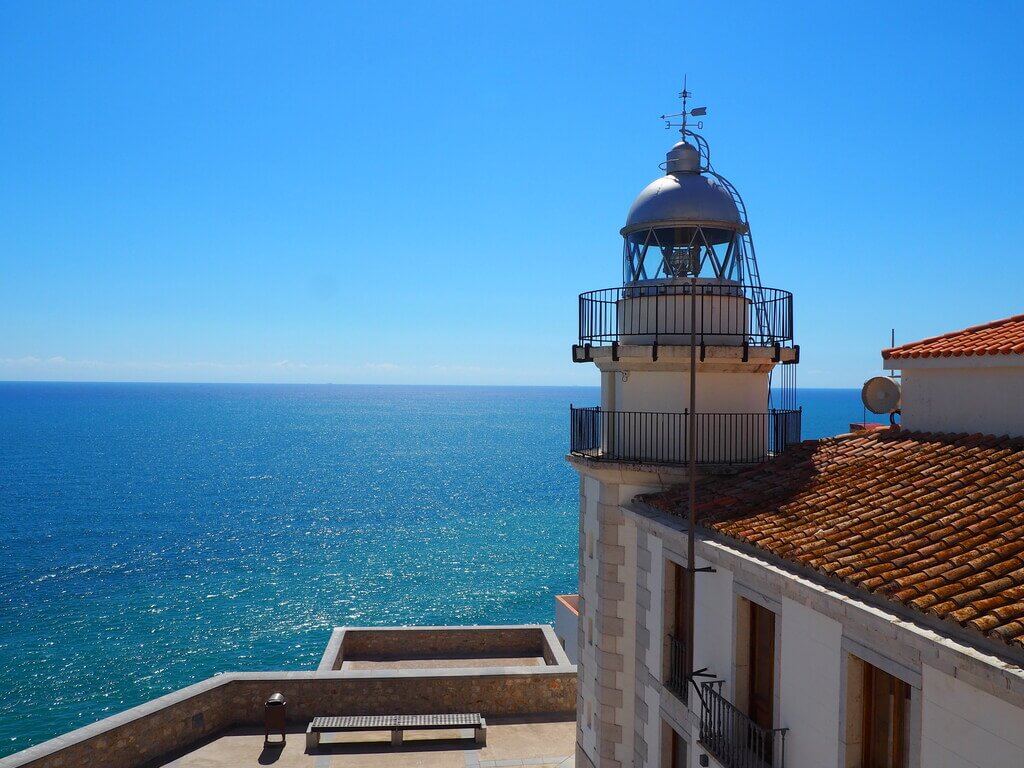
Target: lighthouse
(696, 358)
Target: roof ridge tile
(992, 338)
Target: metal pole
(691, 566)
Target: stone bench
(396, 724)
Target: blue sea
(152, 535)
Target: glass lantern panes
(681, 252)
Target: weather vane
(695, 112)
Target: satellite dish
(880, 395)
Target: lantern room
(686, 223)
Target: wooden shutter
(762, 665)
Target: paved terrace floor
(539, 744)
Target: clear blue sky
(387, 192)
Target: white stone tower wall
(669, 391)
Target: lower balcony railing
(733, 738)
(676, 682)
(663, 438)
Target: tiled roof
(1000, 337)
(932, 521)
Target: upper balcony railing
(659, 312)
(733, 737)
(642, 437)
(677, 681)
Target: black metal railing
(676, 682)
(733, 738)
(660, 314)
(663, 438)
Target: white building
(857, 601)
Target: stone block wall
(441, 642)
(491, 695)
(609, 634)
(176, 721)
(139, 735)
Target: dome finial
(685, 113)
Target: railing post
(789, 323)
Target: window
(761, 685)
(877, 717)
(678, 751)
(681, 618)
(674, 748)
(676, 623)
(755, 662)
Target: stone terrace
(542, 743)
(530, 709)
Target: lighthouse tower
(696, 357)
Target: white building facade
(965, 708)
(814, 641)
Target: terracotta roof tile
(1009, 632)
(1012, 610)
(1000, 337)
(933, 521)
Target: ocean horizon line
(4, 382)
